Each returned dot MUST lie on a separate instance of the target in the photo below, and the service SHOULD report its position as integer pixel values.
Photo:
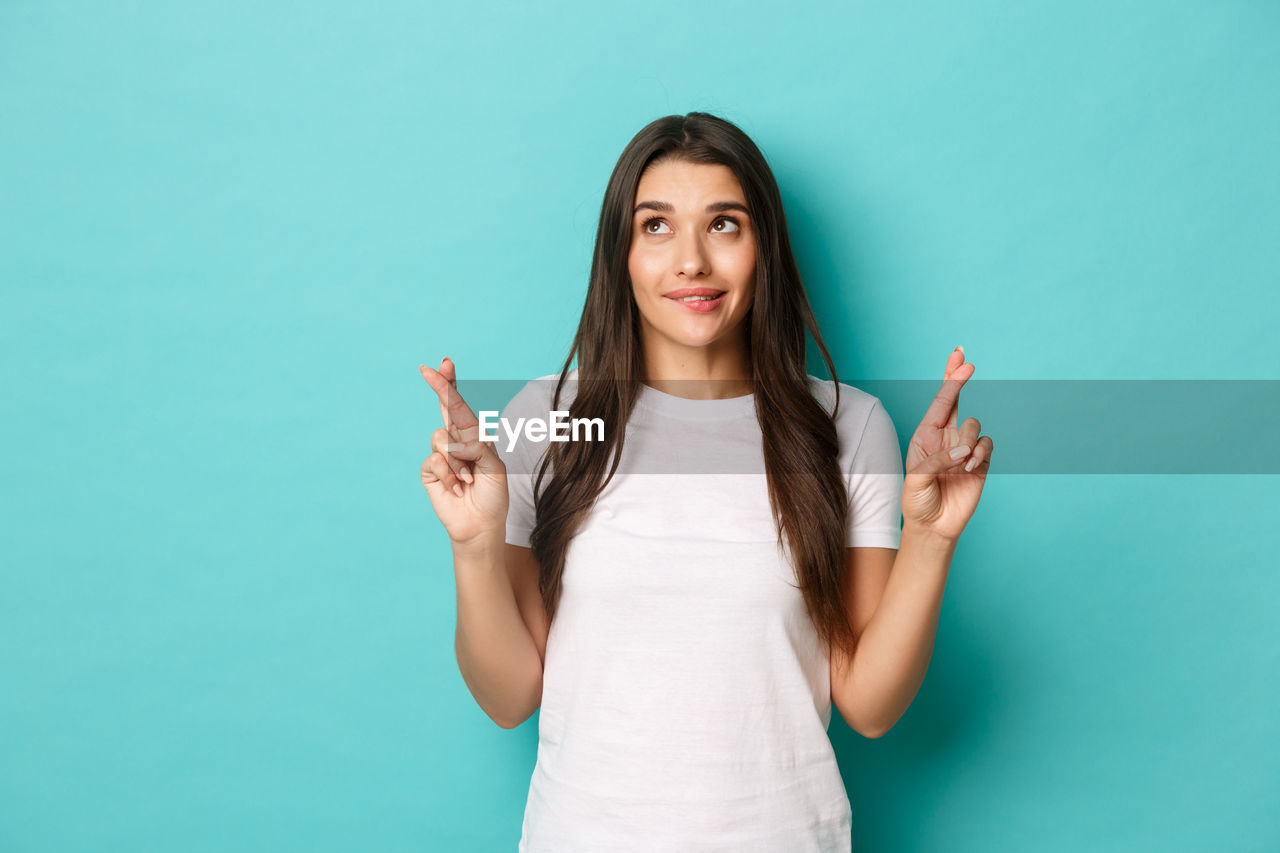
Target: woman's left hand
(941, 492)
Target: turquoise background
(230, 233)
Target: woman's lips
(700, 306)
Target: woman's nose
(693, 256)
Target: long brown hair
(807, 493)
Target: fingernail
(959, 452)
(457, 490)
(971, 463)
(465, 474)
(961, 349)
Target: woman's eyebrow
(714, 207)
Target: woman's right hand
(463, 476)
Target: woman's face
(691, 231)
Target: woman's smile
(702, 300)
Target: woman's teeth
(698, 298)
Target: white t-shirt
(686, 697)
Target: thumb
(936, 463)
(467, 446)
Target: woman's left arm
(946, 468)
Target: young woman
(686, 597)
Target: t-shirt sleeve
(521, 460)
(875, 481)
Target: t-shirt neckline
(691, 409)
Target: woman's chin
(694, 331)
(696, 337)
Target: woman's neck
(699, 373)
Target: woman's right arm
(467, 483)
(497, 654)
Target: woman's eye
(715, 226)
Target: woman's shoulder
(855, 405)
(861, 414)
(536, 396)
